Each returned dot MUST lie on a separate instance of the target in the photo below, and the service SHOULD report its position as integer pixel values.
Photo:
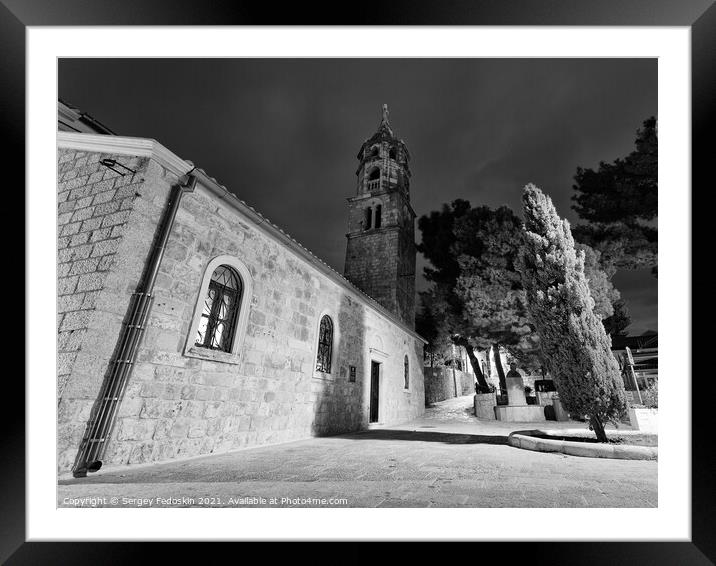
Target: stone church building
(189, 324)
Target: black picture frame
(699, 15)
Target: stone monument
(515, 387)
(517, 409)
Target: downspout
(99, 428)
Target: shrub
(577, 350)
(650, 396)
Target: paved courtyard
(447, 458)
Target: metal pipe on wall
(101, 423)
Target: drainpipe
(99, 428)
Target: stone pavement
(447, 458)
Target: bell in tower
(380, 253)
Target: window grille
(325, 345)
(220, 311)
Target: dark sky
(283, 134)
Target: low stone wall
(645, 420)
(520, 413)
(485, 406)
(445, 383)
(528, 440)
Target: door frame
(377, 355)
(379, 365)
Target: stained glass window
(325, 345)
(217, 323)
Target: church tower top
(380, 252)
(383, 156)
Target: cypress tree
(577, 351)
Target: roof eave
(146, 147)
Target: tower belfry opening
(380, 253)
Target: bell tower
(380, 253)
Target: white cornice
(140, 147)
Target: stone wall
(381, 261)
(405, 287)
(180, 403)
(96, 242)
(445, 383)
(93, 206)
(371, 264)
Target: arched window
(368, 217)
(373, 179)
(392, 154)
(219, 314)
(374, 152)
(406, 371)
(325, 345)
(378, 211)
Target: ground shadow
(196, 471)
(428, 436)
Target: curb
(524, 439)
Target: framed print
(392, 279)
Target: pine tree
(475, 297)
(576, 348)
(619, 200)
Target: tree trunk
(500, 370)
(475, 363)
(598, 428)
